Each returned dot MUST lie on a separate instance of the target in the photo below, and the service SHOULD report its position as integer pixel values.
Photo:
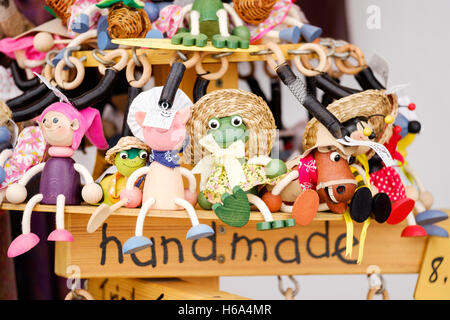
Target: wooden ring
(189, 63)
(146, 73)
(59, 72)
(344, 65)
(48, 72)
(118, 53)
(211, 76)
(80, 292)
(307, 69)
(278, 54)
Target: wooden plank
(434, 277)
(315, 249)
(160, 56)
(155, 289)
(133, 212)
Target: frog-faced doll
(128, 155)
(232, 134)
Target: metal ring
(221, 55)
(261, 53)
(299, 52)
(66, 55)
(135, 58)
(182, 56)
(47, 56)
(295, 282)
(342, 56)
(107, 63)
(211, 76)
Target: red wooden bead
(272, 201)
(412, 106)
(397, 129)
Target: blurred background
(409, 37)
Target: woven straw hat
(125, 143)
(255, 114)
(363, 104)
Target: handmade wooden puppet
(128, 155)
(278, 20)
(340, 185)
(163, 186)
(209, 21)
(232, 132)
(63, 127)
(424, 222)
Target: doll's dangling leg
(27, 240)
(60, 233)
(139, 242)
(197, 231)
(305, 207)
(269, 223)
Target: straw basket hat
(125, 143)
(255, 114)
(364, 104)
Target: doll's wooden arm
(415, 177)
(191, 179)
(291, 176)
(31, 173)
(5, 155)
(133, 178)
(92, 192)
(131, 195)
(237, 21)
(17, 193)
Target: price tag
(381, 150)
(434, 276)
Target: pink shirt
(307, 172)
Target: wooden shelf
(168, 214)
(163, 56)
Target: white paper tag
(59, 94)
(380, 66)
(381, 150)
(156, 117)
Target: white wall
(413, 39)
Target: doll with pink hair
(63, 127)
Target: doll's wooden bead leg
(305, 207)
(60, 234)
(27, 240)
(269, 223)
(308, 32)
(400, 210)
(139, 242)
(197, 231)
(413, 230)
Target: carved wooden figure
(63, 127)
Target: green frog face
(227, 130)
(128, 161)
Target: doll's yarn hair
(369, 104)
(126, 22)
(90, 124)
(253, 11)
(255, 114)
(61, 8)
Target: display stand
(194, 267)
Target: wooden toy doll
(236, 129)
(128, 155)
(63, 127)
(163, 130)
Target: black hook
(171, 86)
(367, 80)
(317, 110)
(19, 78)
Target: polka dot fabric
(387, 180)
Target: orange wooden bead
(272, 201)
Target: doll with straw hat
(232, 132)
(128, 155)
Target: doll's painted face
(58, 129)
(227, 130)
(127, 161)
(360, 129)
